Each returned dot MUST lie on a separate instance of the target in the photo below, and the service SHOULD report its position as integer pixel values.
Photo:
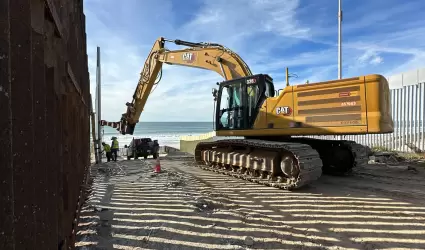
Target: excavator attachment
(120, 126)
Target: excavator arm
(208, 56)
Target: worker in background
(114, 149)
(107, 150)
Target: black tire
(155, 155)
(145, 157)
(128, 157)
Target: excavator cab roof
(249, 79)
(259, 79)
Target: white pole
(341, 137)
(339, 40)
(98, 85)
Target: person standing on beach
(107, 149)
(115, 147)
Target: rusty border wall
(44, 123)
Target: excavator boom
(208, 56)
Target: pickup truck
(142, 147)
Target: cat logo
(284, 110)
(188, 57)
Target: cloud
(268, 34)
(218, 20)
(370, 57)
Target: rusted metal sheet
(53, 135)
(22, 106)
(55, 17)
(39, 109)
(6, 177)
(44, 127)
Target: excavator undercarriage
(286, 165)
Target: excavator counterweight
(275, 151)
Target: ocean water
(167, 133)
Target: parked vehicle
(142, 147)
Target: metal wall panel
(44, 123)
(6, 176)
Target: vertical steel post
(339, 40)
(99, 105)
(339, 46)
(422, 106)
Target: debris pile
(176, 183)
(384, 158)
(392, 160)
(203, 205)
(175, 179)
(111, 169)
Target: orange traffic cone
(157, 166)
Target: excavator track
(359, 153)
(339, 157)
(284, 165)
(310, 157)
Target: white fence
(407, 110)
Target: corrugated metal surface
(407, 109)
(44, 124)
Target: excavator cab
(239, 101)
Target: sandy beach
(184, 207)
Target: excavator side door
(238, 102)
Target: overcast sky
(384, 37)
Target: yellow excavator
(274, 123)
